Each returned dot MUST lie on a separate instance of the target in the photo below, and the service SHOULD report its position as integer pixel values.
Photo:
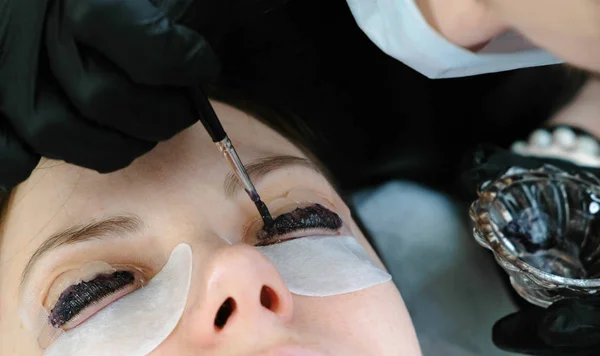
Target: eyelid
(265, 168)
(78, 309)
(87, 272)
(293, 177)
(34, 305)
(130, 251)
(46, 333)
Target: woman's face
(180, 193)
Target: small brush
(213, 126)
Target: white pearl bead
(518, 147)
(541, 138)
(565, 137)
(588, 145)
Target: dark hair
(4, 198)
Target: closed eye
(302, 220)
(82, 300)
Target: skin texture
(569, 29)
(466, 23)
(177, 191)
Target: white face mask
(399, 29)
(135, 324)
(323, 266)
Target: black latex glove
(567, 327)
(490, 162)
(96, 83)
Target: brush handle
(237, 167)
(213, 126)
(207, 115)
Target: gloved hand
(489, 162)
(96, 83)
(567, 327)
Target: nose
(242, 294)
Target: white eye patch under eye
(135, 324)
(322, 266)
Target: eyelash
(77, 302)
(300, 221)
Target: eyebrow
(260, 168)
(111, 227)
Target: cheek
(557, 16)
(578, 50)
(8, 293)
(374, 316)
(16, 340)
(355, 231)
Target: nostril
(268, 298)
(224, 312)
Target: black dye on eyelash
(79, 296)
(311, 217)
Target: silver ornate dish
(543, 227)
